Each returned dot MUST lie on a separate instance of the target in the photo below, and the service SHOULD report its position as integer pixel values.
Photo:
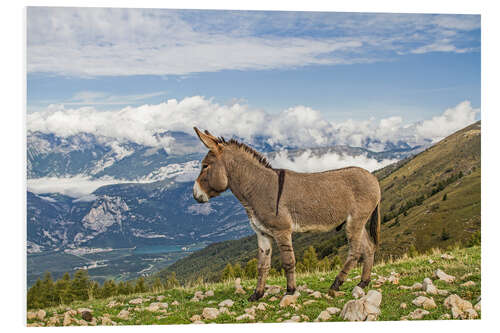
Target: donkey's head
(212, 180)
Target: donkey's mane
(243, 147)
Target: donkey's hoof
(336, 285)
(363, 284)
(290, 292)
(255, 297)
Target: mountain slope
(412, 204)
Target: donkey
(279, 202)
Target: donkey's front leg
(264, 257)
(284, 241)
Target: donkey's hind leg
(354, 232)
(368, 254)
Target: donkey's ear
(208, 140)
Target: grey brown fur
(309, 202)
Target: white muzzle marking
(199, 194)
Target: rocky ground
(437, 286)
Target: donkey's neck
(249, 180)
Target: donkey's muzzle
(198, 194)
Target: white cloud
(298, 126)
(76, 187)
(308, 162)
(119, 42)
(450, 121)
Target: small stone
(333, 310)
(107, 321)
(136, 301)
(316, 294)
(468, 284)
(262, 306)
(228, 303)
(124, 314)
(443, 292)
(353, 311)
(299, 288)
(174, 303)
(416, 286)
(430, 261)
(245, 316)
(71, 312)
(289, 299)
(426, 302)
(443, 276)
(240, 291)
(358, 292)
(279, 320)
(429, 287)
(294, 319)
(403, 306)
(471, 314)
(477, 307)
(445, 316)
(304, 317)
(447, 257)
(195, 318)
(273, 298)
(199, 295)
(323, 316)
(112, 304)
(82, 322)
(160, 298)
(197, 322)
(394, 278)
(322, 279)
(209, 293)
(53, 321)
(210, 313)
(459, 307)
(250, 311)
(40, 315)
(67, 320)
(417, 314)
(310, 301)
(31, 315)
(374, 297)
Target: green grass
(411, 270)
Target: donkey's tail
(375, 225)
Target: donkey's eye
(204, 166)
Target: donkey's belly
(315, 224)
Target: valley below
(120, 264)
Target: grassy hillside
(451, 167)
(180, 308)
(416, 216)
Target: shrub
(445, 235)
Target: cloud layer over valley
(297, 126)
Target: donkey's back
(323, 200)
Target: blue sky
(343, 66)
